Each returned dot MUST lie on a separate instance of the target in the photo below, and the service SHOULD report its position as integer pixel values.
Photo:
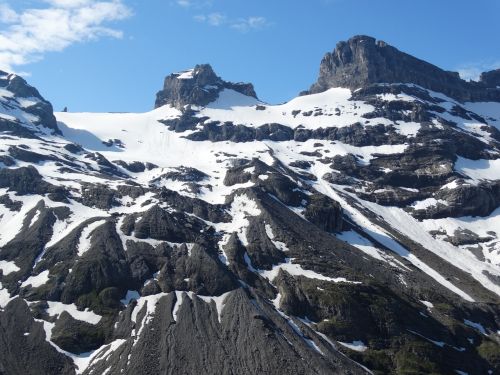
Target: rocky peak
(18, 86)
(28, 99)
(362, 61)
(197, 86)
(491, 78)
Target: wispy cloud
(194, 3)
(184, 3)
(213, 19)
(240, 24)
(472, 71)
(27, 35)
(216, 18)
(250, 23)
(7, 14)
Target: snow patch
(278, 244)
(179, 295)
(478, 170)
(8, 267)
(295, 269)
(353, 238)
(56, 308)
(37, 280)
(428, 304)
(356, 345)
(85, 237)
(5, 297)
(241, 208)
(219, 302)
(426, 203)
(131, 294)
(408, 129)
(187, 74)
(34, 219)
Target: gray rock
(195, 270)
(362, 61)
(201, 88)
(98, 195)
(491, 78)
(76, 336)
(324, 212)
(42, 109)
(23, 346)
(27, 180)
(103, 266)
(159, 224)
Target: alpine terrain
(352, 230)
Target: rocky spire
(197, 86)
(362, 61)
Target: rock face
(347, 232)
(198, 86)
(491, 78)
(324, 212)
(362, 60)
(29, 99)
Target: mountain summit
(198, 86)
(362, 61)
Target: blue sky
(112, 55)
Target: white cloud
(31, 33)
(213, 19)
(7, 14)
(472, 71)
(240, 24)
(470, 74)
(68, 3)
(194, 3)
(220, 19)
(250, 23)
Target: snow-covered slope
(346, 231)
(139, 134)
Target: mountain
(363, 61)
(352, 230)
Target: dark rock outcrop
(362, 61)
(40, 107)
(135, 166)
(98, 195)
(23, 345)
(197, 270)
(103, 266)
(467, 200)
(184, 174)
(159, 224)
(76, 336)
(199, 86)
(324, 212)
(491, 78)
(27, 180)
